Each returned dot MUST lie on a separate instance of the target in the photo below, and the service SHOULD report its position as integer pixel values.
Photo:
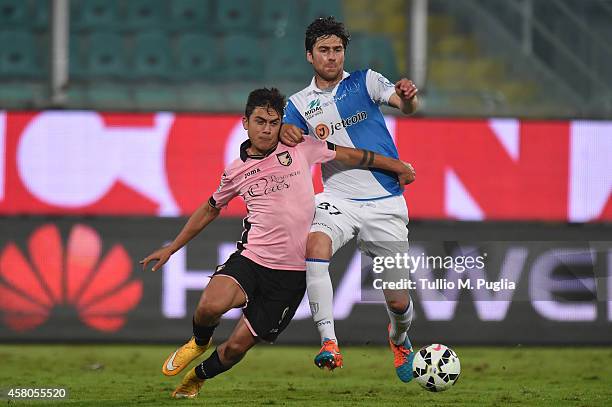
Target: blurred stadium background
(118, 116)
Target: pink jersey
(279, 196)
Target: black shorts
(273, 296)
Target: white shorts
(381, 226)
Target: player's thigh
(384, 228)
(384, 233)
(279, 296)
(335, 218)
(229, 287)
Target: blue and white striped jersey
(349, 115)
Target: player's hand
(160, 255)
(291, 135)
(406, 89)
(408, 175)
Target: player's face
(263, 127)
(327, 57)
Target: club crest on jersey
(284, 158)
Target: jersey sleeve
(317, 151)
(293, 116)
(225, 193)
(379, 88)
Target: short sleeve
(379, 88)
(317, 151)
(225, 193)
(293, 116)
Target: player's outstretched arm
(364, 158)
(405, 97)
(196, 223)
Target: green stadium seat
(42, 15)
(189, 14)
(374, 52)
(13, 13)
(197, 57)
(17, 95)
(277, 21)
(154, 97)
(76, 58)
(287, 60)
(234, 15)
(202, 97)
(145, 14)
(109, 96)
(94, 14)
(18, 55)
(152, 55)
(322, 8)
(106, 55)
(242, 58)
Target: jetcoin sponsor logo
(348, 122)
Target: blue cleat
(329, 356)
(403, 359)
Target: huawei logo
(76, 276)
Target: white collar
(313, 83)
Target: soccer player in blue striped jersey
(344, 108)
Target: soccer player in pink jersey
(266, 275)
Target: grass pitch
(129, 375)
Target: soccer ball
(436, 367)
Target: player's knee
(399, 306)
(233, 352)
(210, 310)
(319, 246)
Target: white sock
(321, 297)
(399, 324)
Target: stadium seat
(197, 57)
(105, 55)
(94, 14)
(76, 58)
(18, 55)
(154, 97)
(278, 21)
(189, 14)
(145, 14)
(203, 97)
(13, 13)
(375, 52)
(287, 60)
(152, 55)
(234, 15)
(42, 15)
(18, 94)
(322, 8)
(109, 96)
(242, 57)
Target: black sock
(211, 367)
(202, 334)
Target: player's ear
(309, 56)
(245, 122)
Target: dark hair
(266, 98)
(324, 27)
